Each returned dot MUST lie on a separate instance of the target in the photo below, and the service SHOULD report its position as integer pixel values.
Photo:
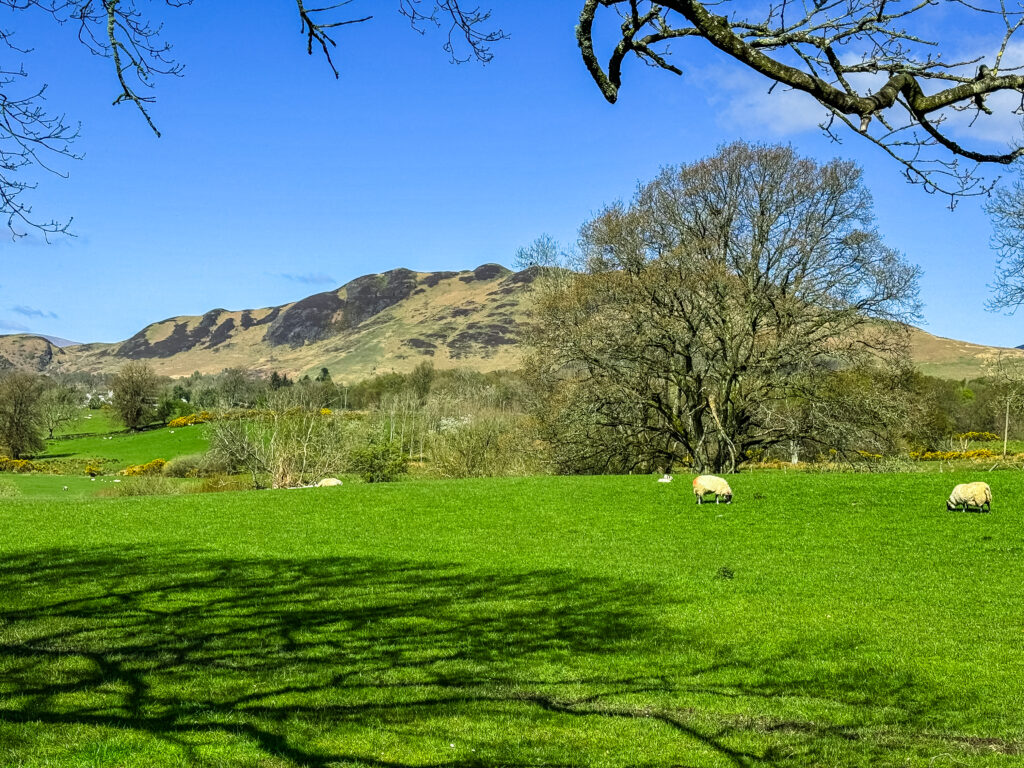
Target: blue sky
(273, 180)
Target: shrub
(19, 466)
(185, 466)
(486, 445)
(977, 453)
(977, 437)
(93, 469)
(191, 419)
(153, 467)
(380, 462)
(144, 486)
(221, 483)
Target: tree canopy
(735, 304)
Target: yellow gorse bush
(193, 418)
(977, 437)
(153, 467)
(976, 453)
(17, 465)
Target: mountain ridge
(376, 323)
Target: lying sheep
(967, 495)
(711, 484)
(327, 482)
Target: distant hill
(953, 359)
(30, 353)
(374, 324)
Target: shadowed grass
(548, 621)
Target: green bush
(379, 462)
(144, 485)
(221, 482)
(190, 465)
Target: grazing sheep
(967, 495)
(711, 484)
(328, 481)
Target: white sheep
(967, 495)
(328, 482)
(666, 478)
(711, 484)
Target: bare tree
(59, 404)
(1006, 210)
(1008, 378)
(724, 293)
(292, 441)
(874, 65)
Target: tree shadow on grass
(288, 659)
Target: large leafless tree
(707, 318)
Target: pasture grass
(99, 421)
(820, 620)
(124, 448)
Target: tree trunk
(1006, 427)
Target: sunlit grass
(818, 620)
(123, 448)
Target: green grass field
(819, 620)
(122, 449)
(92, 422)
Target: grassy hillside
(122, 449)
(952, 359)
(376, 324)
(31, 353)
(819, 620)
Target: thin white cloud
(742, 98)
(21, 309)
(308, 278)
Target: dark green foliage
(135, 389)
(277, 381)
(379, 462)
(21, 417)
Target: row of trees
(33, 406)
(740, 306)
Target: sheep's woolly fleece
(710, 484)
(970, 495)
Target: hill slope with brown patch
(376, 324)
